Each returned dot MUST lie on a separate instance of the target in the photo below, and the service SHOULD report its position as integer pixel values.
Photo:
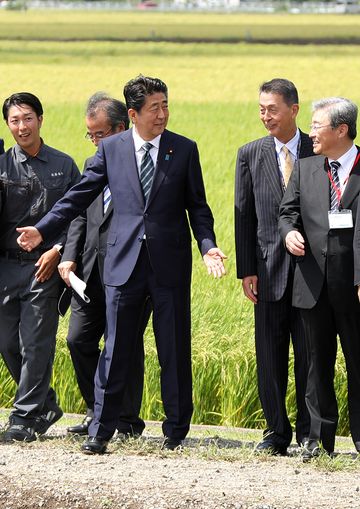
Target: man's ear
(343, 130)
(132, 115)
(295, 109)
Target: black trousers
(86, 328)
(29, 320)
(171, 323)
(322, 325)
(275, 322)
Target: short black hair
(137, 89)
(282, 87)
(114, 109)
(22, 98)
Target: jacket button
(146, 214)
(324, 253)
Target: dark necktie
(106, 198)
(335, 185)
(146, 170)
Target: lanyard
(336, 188)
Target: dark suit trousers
(322, 324)
(274, 323)
(171, 322)
(86, 328)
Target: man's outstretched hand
(29, 238)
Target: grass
(213, 99)
(234, 27)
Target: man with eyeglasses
(317, 215)
(33, 177)
(266, 270)
(84, 254)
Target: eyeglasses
(97, 136)
(315, 128)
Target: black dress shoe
(44, 422)
(311, 449)
(171, 444)
(357, 446)
(81, 429)
(303, 442)
(94, 445)
(269, 446)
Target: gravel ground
(216, 470)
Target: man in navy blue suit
(157, 189)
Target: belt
(21, 256)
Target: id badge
(340, 219)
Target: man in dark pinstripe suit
(264, 265)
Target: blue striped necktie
(147, 169)
(106, 198)
(334, 202)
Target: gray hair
(341, 111)
(114, 109)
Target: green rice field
(180, 26)
(213, 99)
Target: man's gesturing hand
(295, 243)
(29, 238)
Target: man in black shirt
(33, 176)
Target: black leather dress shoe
(357, 447)
(303, 442)
(94, 445)
(82, 428)
(269, 446)
(171, 444)
(311, 449)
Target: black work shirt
(29, 187)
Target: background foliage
(213, 99)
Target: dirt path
(52, 473)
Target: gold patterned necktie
(289, 164)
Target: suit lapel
(352, 187)
(268, 162)
(165, 156)
(108, 212)
(319, 184)
(129, 163)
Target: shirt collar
(23, 156)
(139, 142)
(292, 145)
(347, 160)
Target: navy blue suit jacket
(1, 146)
(87, 237)
(177, 197)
